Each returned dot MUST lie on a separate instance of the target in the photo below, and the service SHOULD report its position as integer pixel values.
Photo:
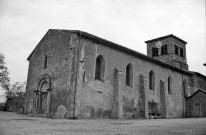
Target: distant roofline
(196, 92)
(197, 73)
(171, 35)
(122, 48)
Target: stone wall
(61, 49)
(198, 97)
(199, 82)
(15, 104)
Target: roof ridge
(199, 89)
(121, 47)
(162, 37)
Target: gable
(198, 92)
(49, 34)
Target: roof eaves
(133, 52)
(192, 72)
(196, 92)
(159, 38)
(119, 47)
(37, 45)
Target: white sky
(127, 22)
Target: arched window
(129, 75)
(169, 85)
(151, 80)
(100, 68)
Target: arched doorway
(43, 93)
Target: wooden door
(43, 102)
(197, 109)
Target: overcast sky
(127, 22)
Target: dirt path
(17, 124)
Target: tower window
(129, 75)
(176, 50)
(100, 68)
(154, 51)
(45, 61)
(181, 52)
(164, 49)
(151, 80)
(169, 85)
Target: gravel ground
(18, 124)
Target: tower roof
(167, 36)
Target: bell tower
(169, 49)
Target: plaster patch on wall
(104, 87)
(95, 99)
(73, 41)
(82, 53)
(95, 50)
(81, 65)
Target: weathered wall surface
(61, 50)
(195, 82)
(198, 97)
(94, 98)
(199, 82)
(70, 85)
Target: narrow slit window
(170, 85)
(45, 61)
(84, 76)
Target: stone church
(90, 77)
